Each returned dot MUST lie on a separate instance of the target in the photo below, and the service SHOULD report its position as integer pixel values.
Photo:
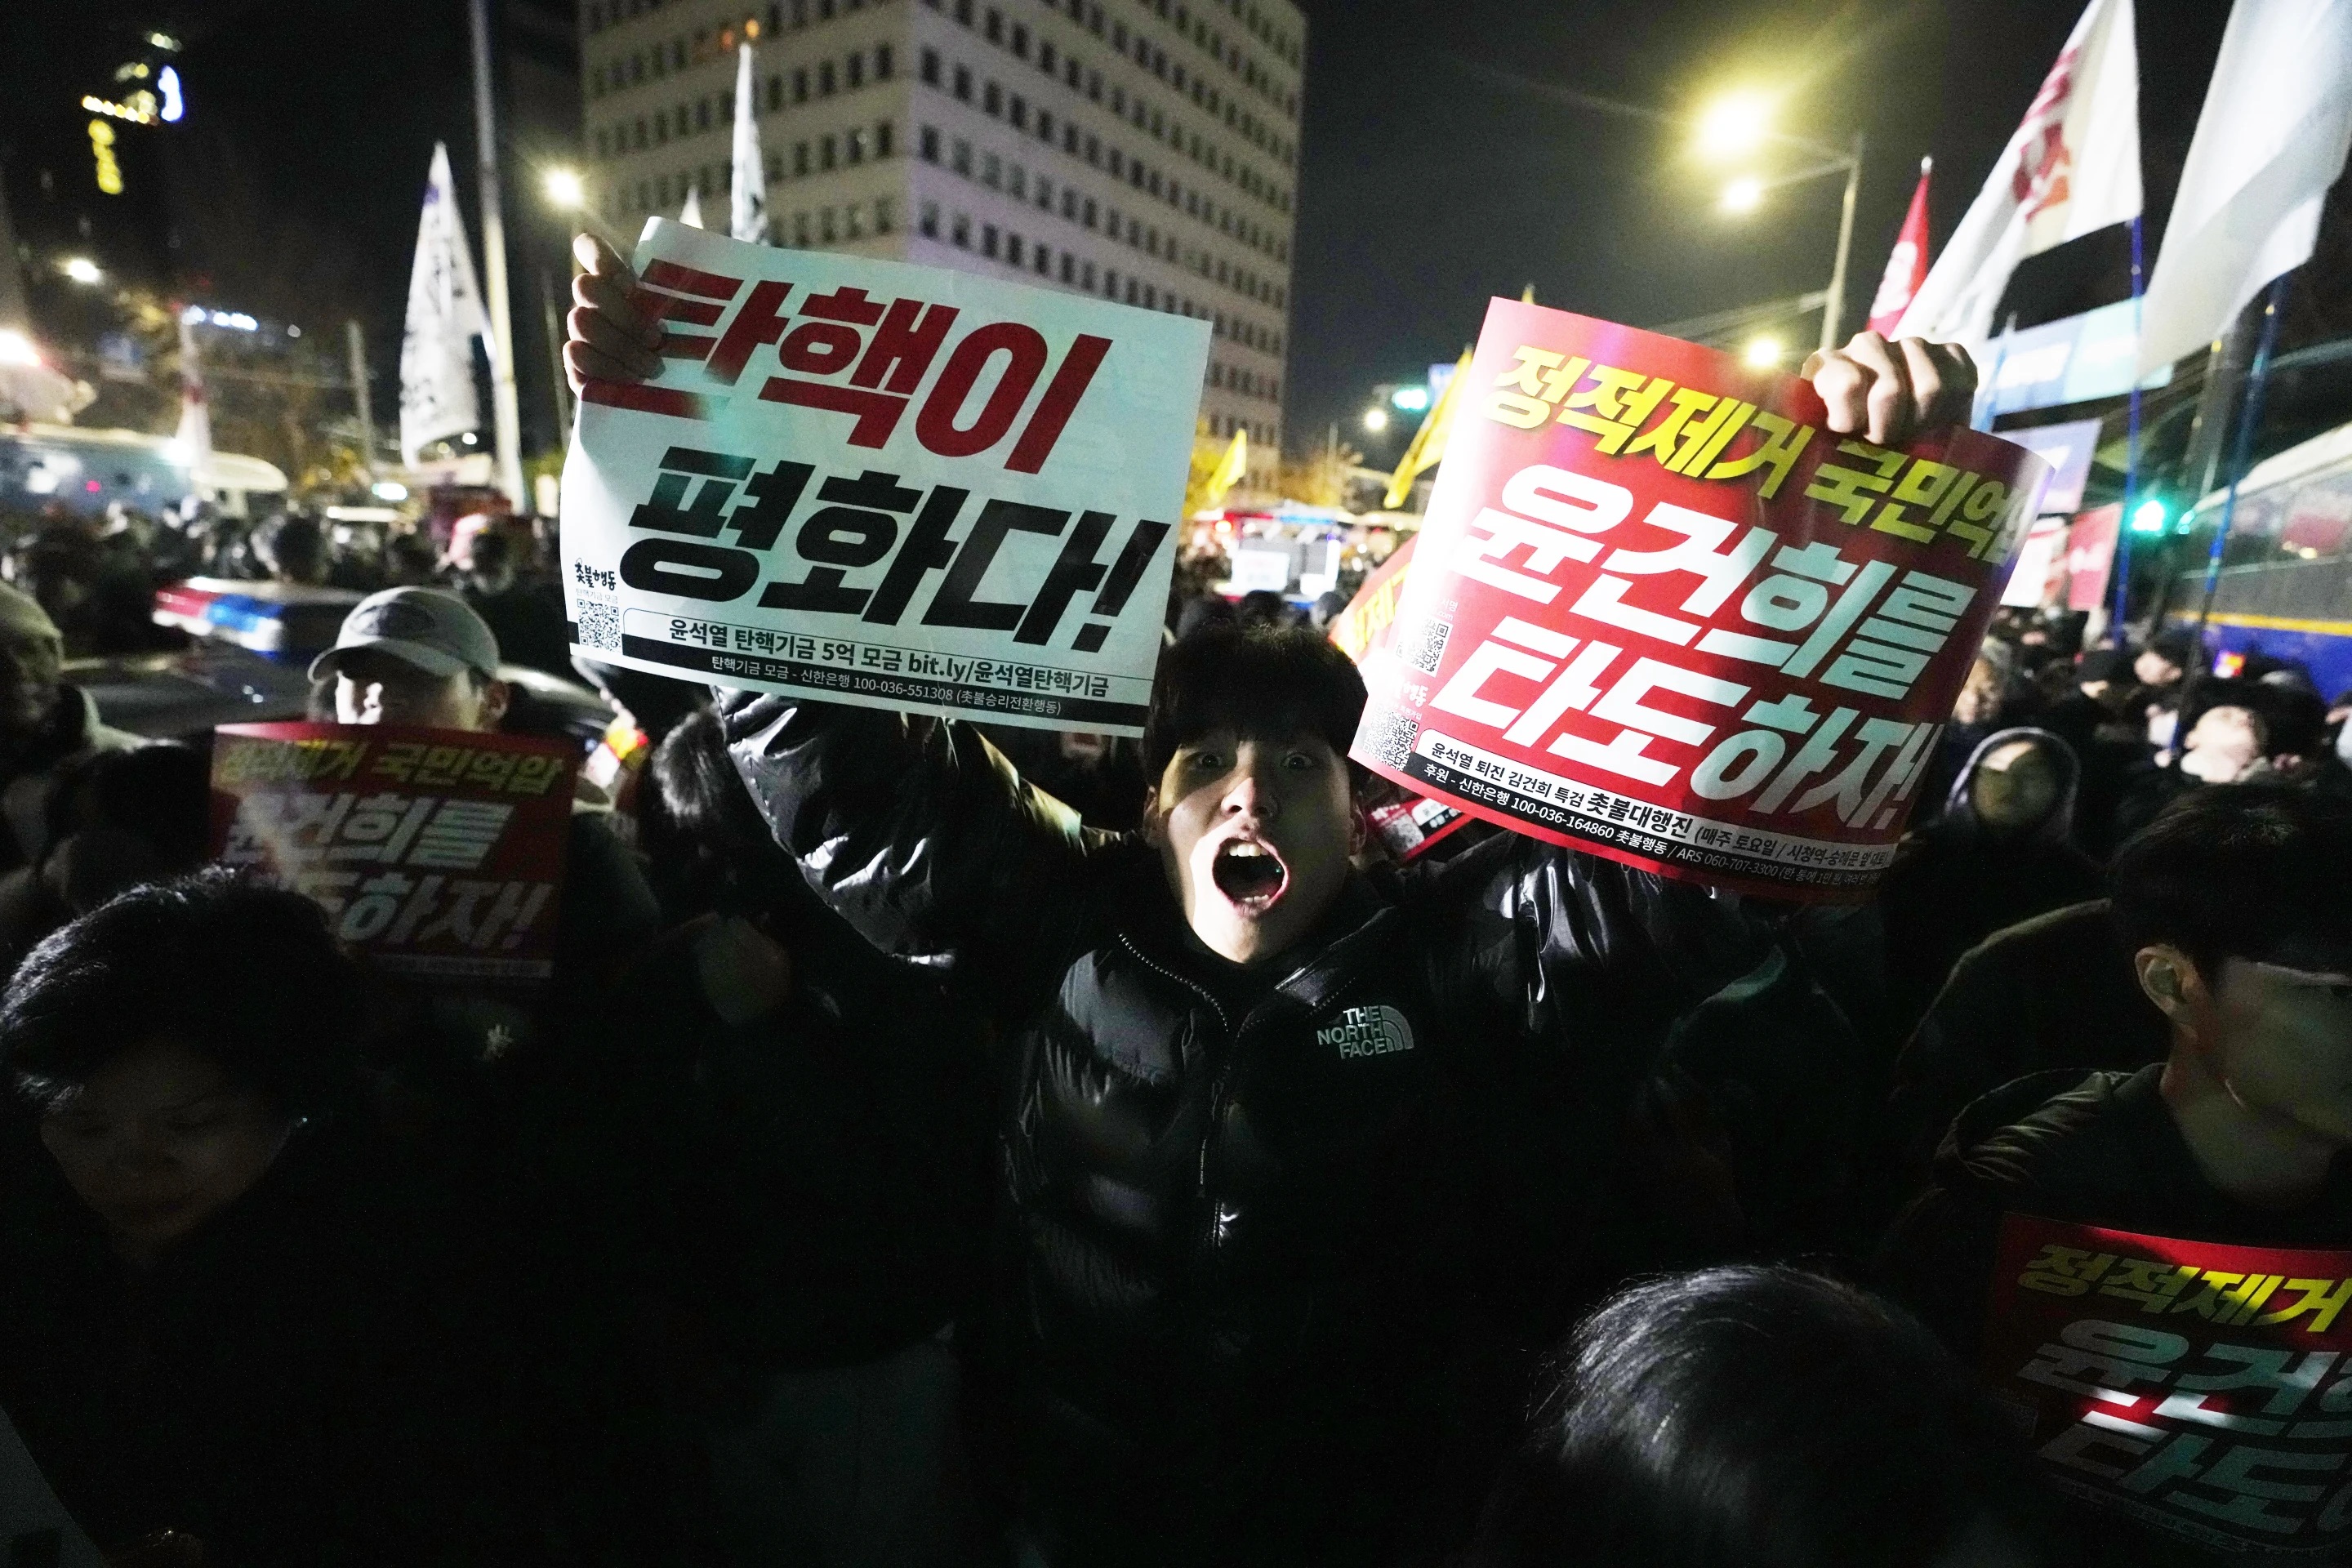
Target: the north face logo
(1367, 1032)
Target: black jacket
(2096, 1148)
(1271, 1240)
(2056, 991)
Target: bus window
(2318, 519)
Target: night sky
(1437, 170)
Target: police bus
(2285, 587)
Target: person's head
(409, 561)
(418, 656)
(2099, 673)
(1252, 807)
(1987, 688)
(1748, 1417)
(1328, 608)
(1200, 615)
(32, 662)
(2227, 742)
(2236, 905)
(2019, 781)
(1264, 607)
(711, 849)
(2165, 660)
(293, 548)
(172, 1040)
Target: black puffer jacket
(1271, 1243)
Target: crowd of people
(939, 1146)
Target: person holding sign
(1294, 1157)
(2156, 1261)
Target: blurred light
(235, 322)
(1733, 124)
(164, 41)
(1743, 195)
(1376, 420)
(751, 29)
(92, 486)
(196, 316)
(1764, 352)
(101, 146)
(566, 189)
(470, 438)
(2149, 518)
(174, 105)
(135, 71)
(81, 269)
(388, 489)
(136, 112)
(176, 451)
(292, 331)
(1412, 399)
(15, 348)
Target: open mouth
(1251, 875)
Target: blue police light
(1410, 399)
(174, 105)
(2149, 518)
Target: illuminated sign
(175, 104)
(101, 143)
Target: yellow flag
(1231, 471)
(1428, 449)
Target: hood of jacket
(2058, 826)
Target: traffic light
(2151, 517)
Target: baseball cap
(436, 631)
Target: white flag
(746, 212)
(2270, 140)
(195, 437)
(437, 395)
(2072, 167)
(690, 215)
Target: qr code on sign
(1394, 734)
(600, 625)
(1422, 644)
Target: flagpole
(2241, 446)
(505, 416)
(2131, 453)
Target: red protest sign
(1659, 612)
(2201, 1389)
(1408, 823)
(437, 853)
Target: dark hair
(1751, 1417)
(2257, 871)
(246, 976)
(1262, 681)
(710, 848)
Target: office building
(1143, 151)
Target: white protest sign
(887, 485)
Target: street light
(566, 189)
(1734, 124)
(1376, 420)
(82, 270)
(1746, 193)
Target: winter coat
(1958, 881)
(1272, 1241)
(2097, 1149)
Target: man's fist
(607, 337)
(1883, 392)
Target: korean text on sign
(438, 853)
(2203, 1390)
(887, 485)
(1659, 612)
